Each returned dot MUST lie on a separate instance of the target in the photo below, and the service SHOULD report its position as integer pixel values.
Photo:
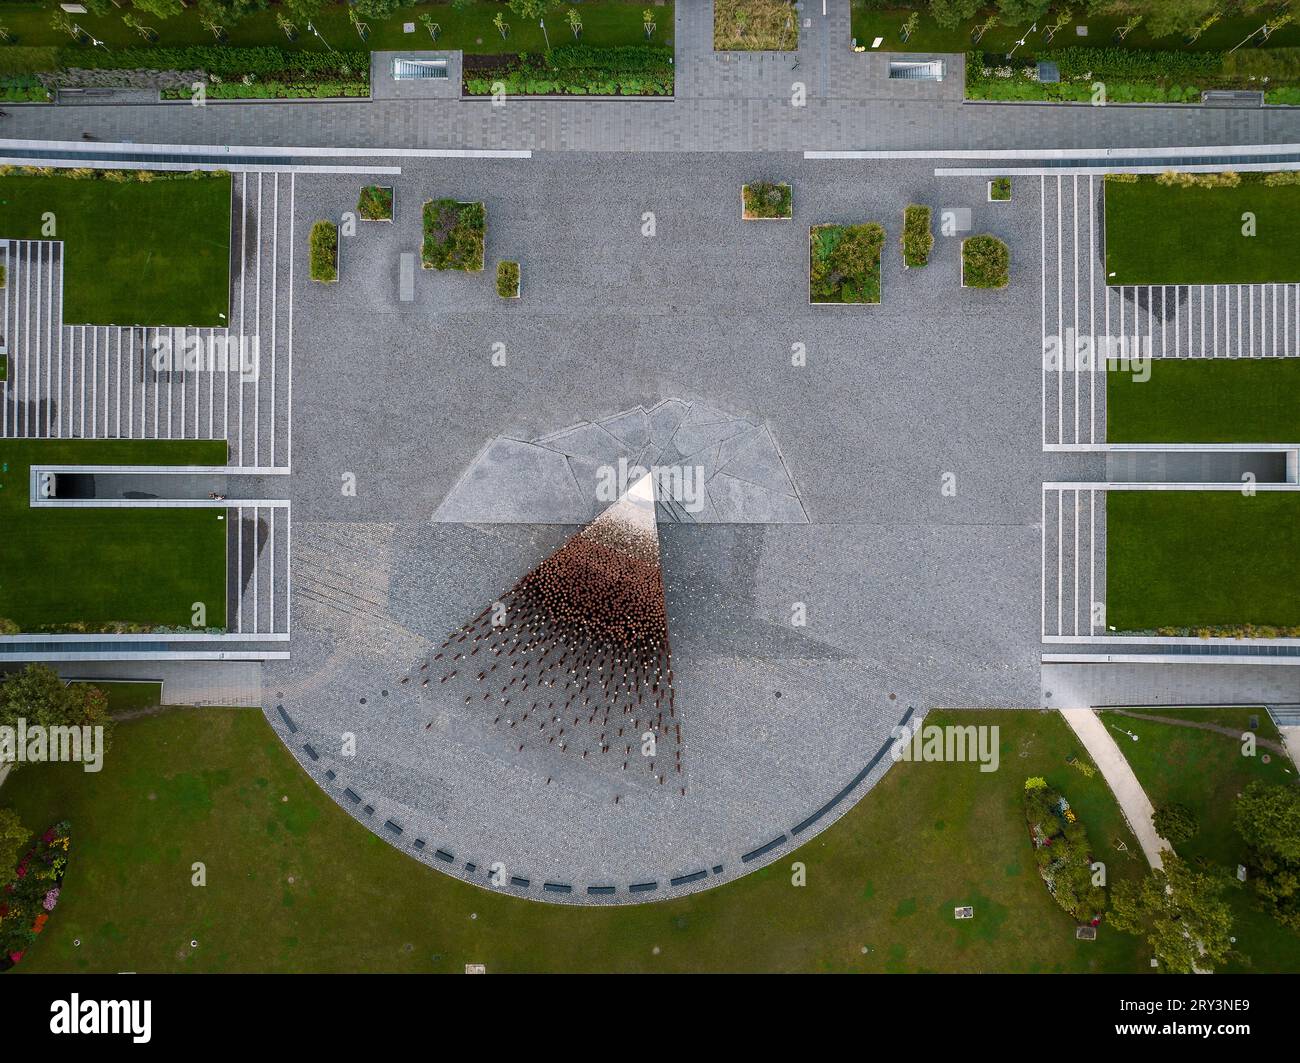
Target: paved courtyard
(913, 596)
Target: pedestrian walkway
(1133, 801)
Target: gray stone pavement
(907, 592)
(731, 102)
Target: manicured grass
(1161, 234)
(62, 567)
(1187, 559)
(136, 253)
(755, 25)
(605, 22)
(869, 22)
(1206, 772)
(126, 696)
(1223, 716)
(298, 885)
(1206, 400)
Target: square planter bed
(844, 264)
(1000, 190)
(766, 201)
(985, 262)
(454, 235)
(376, 203)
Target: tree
(376, 8)
(1175, 822)
(159, 8)
(1180, 913)
(304, 10)
(531, 9)
(1166, 17)
(950, 13)
(1268, 820)
(38, 696)
(1022, 12)
(13, 840)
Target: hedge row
(577, 70)
(275, 90)
(1136, 76)
(323, 242)
(224, 61)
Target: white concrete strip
(161, 655)
(229, 167)
(1083, 486)
(1159, 658)
(262, 151)
(125, 638)
(1054, 153)
(1132, 799)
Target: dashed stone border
(553, 892)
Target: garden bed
(755, 25)
(917, 239)
(508, 280)
(454, 235)
(1203, 563)
(766, 201)
(1000, 190)
(985, 262)
(1062, 852)
(1199, 238)
(323, 246)
(573, 70)
(26, 903)
(375, 203)
(844, 263)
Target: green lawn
(124, 696)
(1157, 234)
(1206, 400)
(59, 567)
(1230, 716)
(136, 253)
(295, 884)
(870, 21)
(1206, 772)
(1190, 559)
(605, 22)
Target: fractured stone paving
(711, 467)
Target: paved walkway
(1133, 801)
(725, 102)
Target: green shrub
(579, 70)
(1175, 822)
(1000, 189)
(1123, 178)
(917, 237)
(985, 262)
(844, 263)
(453, 235)
(507, 279)
(324, 242)
(375, 203)
(764, 199)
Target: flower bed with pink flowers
(26, 904)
